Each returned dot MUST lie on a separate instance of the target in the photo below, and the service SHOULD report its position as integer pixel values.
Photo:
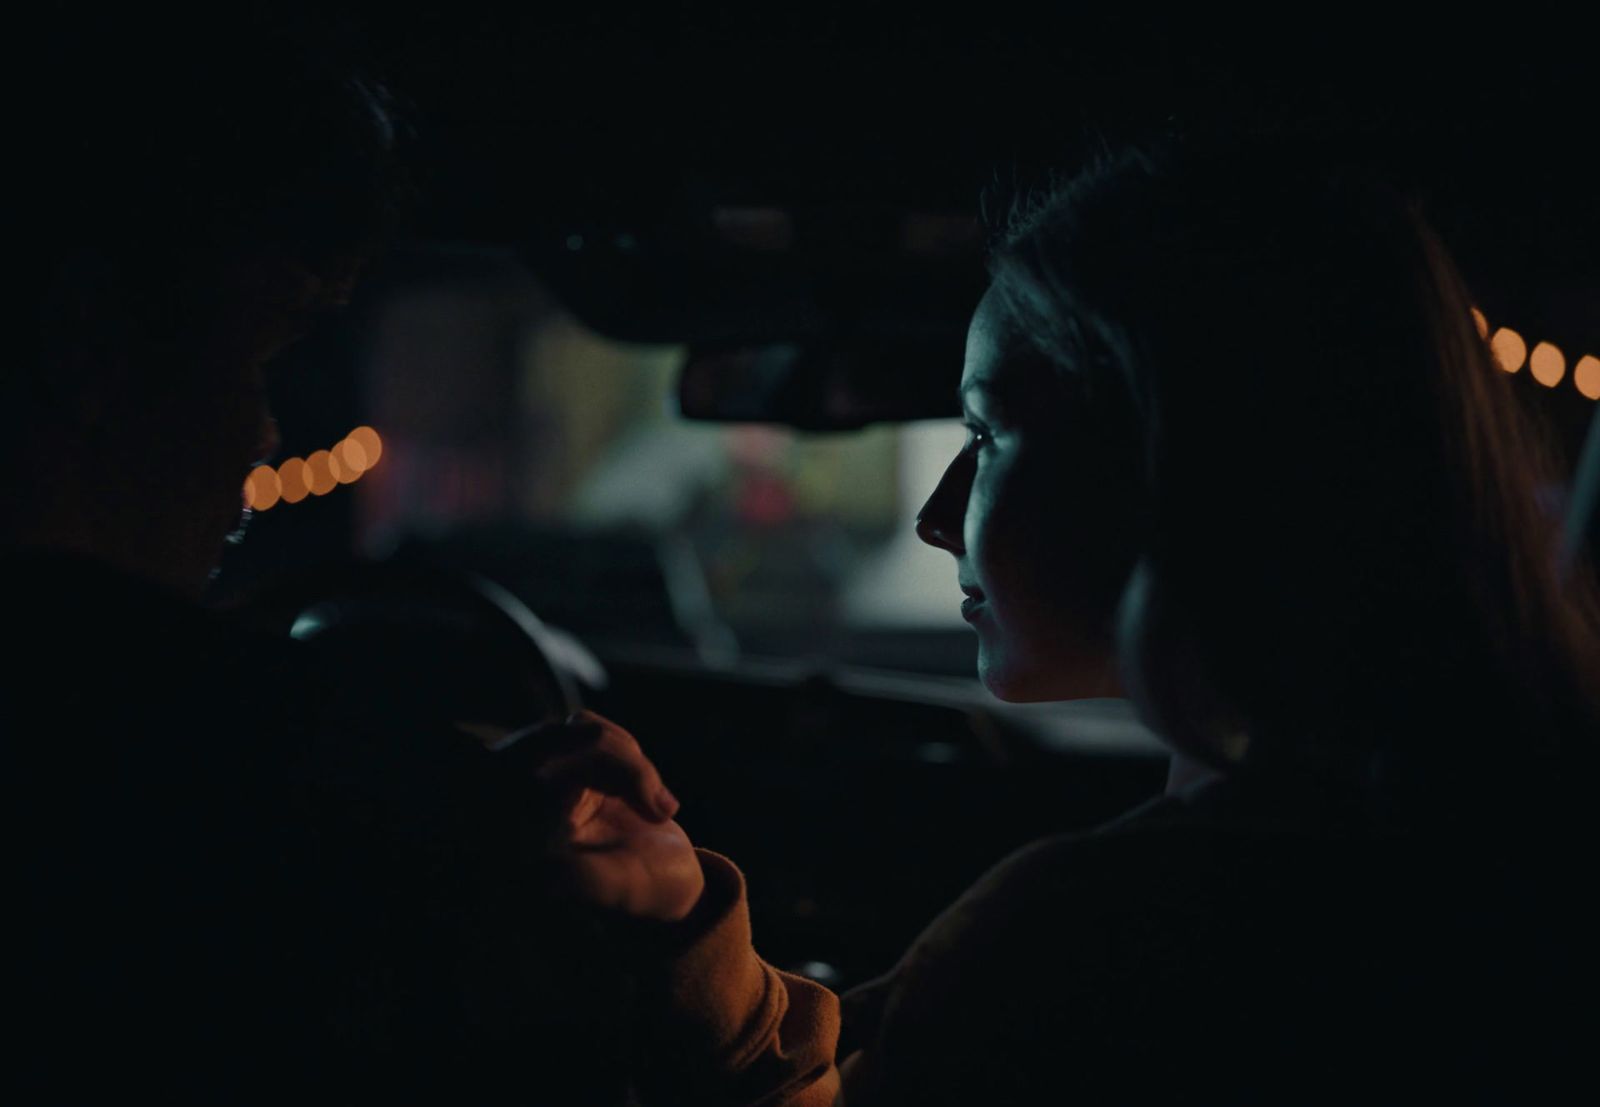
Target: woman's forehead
(992, 326)
(999, 358)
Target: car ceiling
(544, 122)
(615, 108)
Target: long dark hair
(1342, 542)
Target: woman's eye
(977, 439)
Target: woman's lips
(974, 600)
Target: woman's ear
(1165, 674)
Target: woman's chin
(1085, 679)
(1011, 683)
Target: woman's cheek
(1012, 565)
(986, 525)
(974, 524)
(1033, 542)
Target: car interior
(638, 412)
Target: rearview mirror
(838, 388)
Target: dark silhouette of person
(227, 882)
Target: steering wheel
(430, 645)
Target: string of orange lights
(1546, 362)
(296, 478)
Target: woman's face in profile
(1038, 517)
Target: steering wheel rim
(394, 626)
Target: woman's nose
(940, 521)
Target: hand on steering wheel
(614, 836)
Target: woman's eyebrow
(978, 384)
(995, 394)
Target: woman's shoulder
(1060, 885)
(1065, 940)
(1176, 870)
(1164, 932)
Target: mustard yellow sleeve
(720, 1026)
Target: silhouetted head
(1238, 395)
(189, 203)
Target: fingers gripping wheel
(426, 645)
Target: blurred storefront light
(1586, 375)
(292, 474)
(262, 488)
(1547, 364)
(1510, 351)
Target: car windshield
(518, 442)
